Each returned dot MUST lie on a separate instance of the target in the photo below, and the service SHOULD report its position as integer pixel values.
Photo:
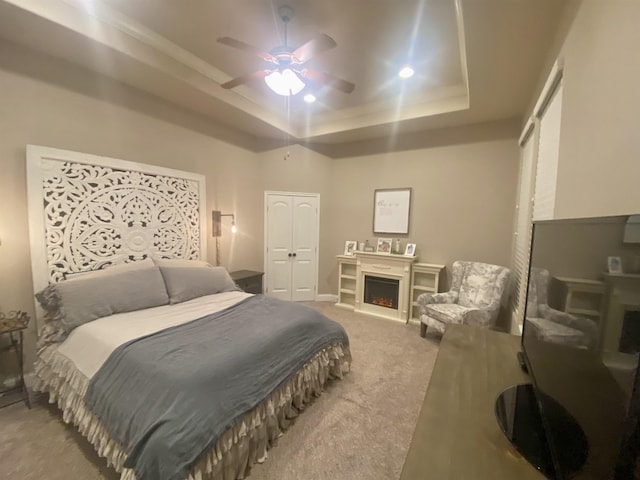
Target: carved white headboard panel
(87, 211)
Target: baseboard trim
(326, 297)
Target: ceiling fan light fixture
(406, 71)
(284, 82)
(309, 98)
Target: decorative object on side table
(13, 321)
(410, 250)
(13, 324)
(384, 246)
(350, 247)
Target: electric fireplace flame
(382, 292)
(382, 302)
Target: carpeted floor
(359, 429)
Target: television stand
(457, 435)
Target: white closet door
(291, 257)
(279, 248)
(304, 242)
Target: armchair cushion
(431, 298)
(447, 312)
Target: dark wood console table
(457, 436)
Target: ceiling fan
(286, 76)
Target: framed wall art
(391, 208)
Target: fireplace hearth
(381, 291)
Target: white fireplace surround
(395, 267)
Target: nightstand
(248, 280)
(13, 325)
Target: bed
(161, 362)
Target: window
(539, 150)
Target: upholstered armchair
(553, 325)
(474, 298)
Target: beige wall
(599, 159)
(463, 197)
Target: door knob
(290, 254)
(294, 254)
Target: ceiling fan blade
(317, 45)
(232, 42)
(246, 78)
(327, 79)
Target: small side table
(14, 325)
(248, 280)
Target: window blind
(522, 233)
(548, 151)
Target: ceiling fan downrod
(285, 12)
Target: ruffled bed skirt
(237, 449)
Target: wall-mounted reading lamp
(216, 228)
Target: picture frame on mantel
(350, 247)
(391, 211)
(410, 250)
(614, 265)
(384, 246)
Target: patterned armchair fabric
(474, 298)
(552, 325)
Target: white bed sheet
(89, 345)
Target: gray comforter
(167, 397)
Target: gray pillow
(186, 283)
(111, 269)
(180, 262)
(86, 299)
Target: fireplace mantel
(397, 267)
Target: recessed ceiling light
(406, 72)
(309, 98)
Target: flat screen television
(580, 346)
